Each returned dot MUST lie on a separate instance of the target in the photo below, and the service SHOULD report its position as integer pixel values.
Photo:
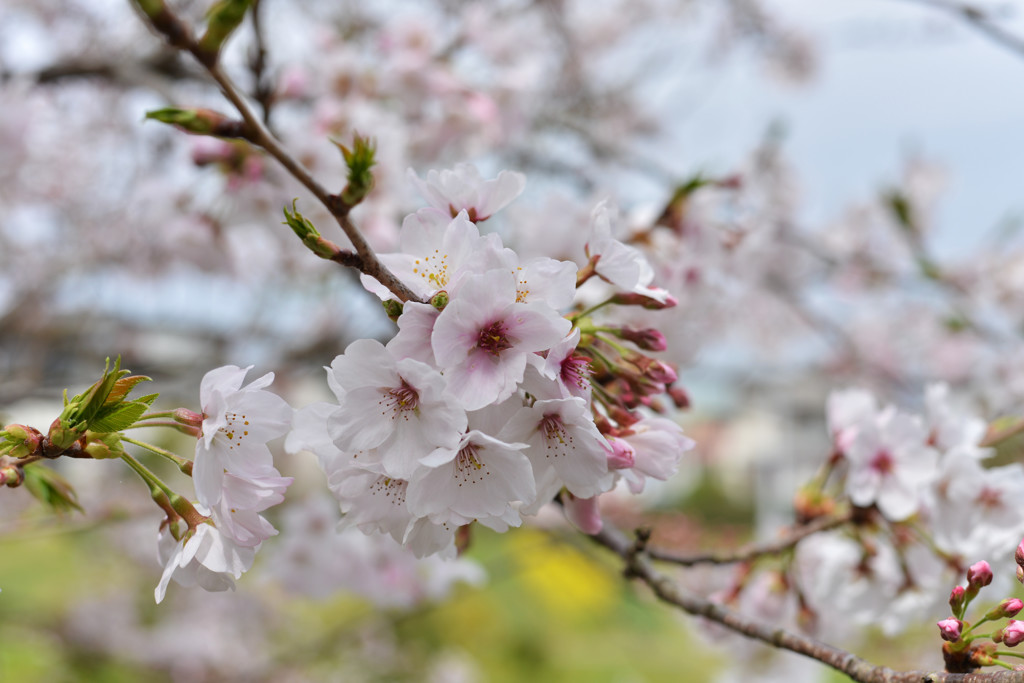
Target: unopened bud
(679, 397)
(359, 159)
(11, 475)
(648, 339)
(950, 629)
(1013, 633)
(201, 122)
(1019, 555)
(188, 418)
(103, 446)
(650, 303)
(583, 513)
(621, 455)
(439, 300)
(393, 309)
(957, 600)
(222, 20)
(19, 441)
(1007, 608)
(979, 575)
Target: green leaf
(119, 417)
(50, 488)
(222, 20)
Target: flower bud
(221, 21)
(19, 441)
(359, 159)
(393, 309)
(979, 575)
(1007, 608)
(11, 475)
(1019, 555)
(651, 304)
(648, 339)
(583, 513)
(439, 300)
(957, 600)
(201, 122)
(621, 456)
(950, 629)
(1020, 573)
(1013, 633)
(679, 397)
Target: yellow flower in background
(564, 579)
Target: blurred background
(832, 190)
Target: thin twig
(753, 551)
(978, 20)
(638, 564)
(263, 89)
(256, 132)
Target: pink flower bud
(1019, 555)
(679, 397)
(583, 513)
(634, 299)
(622, 456)
(950, 629)
(648, 339)
(1013, 633)
(957, 599)
(1020, 573)
(978, 575)
(1007, 608)
(662, 372)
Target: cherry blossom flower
(464, 189)
(483, 479)
(237, 424)
(483, 337)
(237, 513)
(658, 445)
(560, 373)
(620, 264)
(436, 252)
(205, 557)
(398, 406)
(845, 410)
(561, 435)
(890, 464)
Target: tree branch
(256, 132)
(753, 551)
(638, 564)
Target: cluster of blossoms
(489, 401)
(235, 480)
(917, 505)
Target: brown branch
(639, 565)
(263, 89)
(753, 551)
(178, 35)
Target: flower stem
(182, 464)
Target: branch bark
(753, 550)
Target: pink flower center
(468, 469)
(883, 462)
(401, 399)
(494, 339)
(576, 371)
(989, 498)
